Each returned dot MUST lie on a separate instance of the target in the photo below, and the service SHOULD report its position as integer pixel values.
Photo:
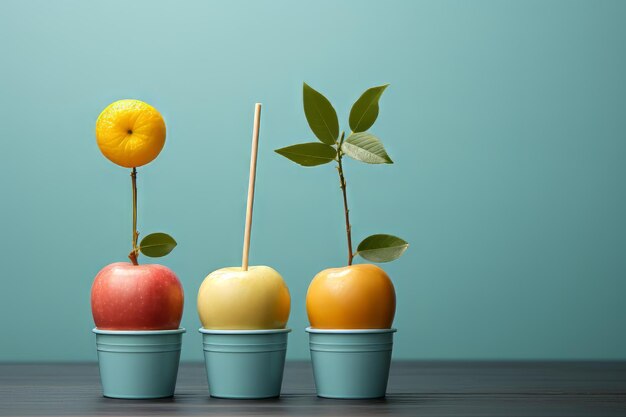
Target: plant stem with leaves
(359, 145)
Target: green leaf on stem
(309, 154)
(382, 248)
(365, 147)
(365, 110)
(156, 245)
(321, 115)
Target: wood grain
(415, 389)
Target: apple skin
(352, 297)
(233, 299)
(136, 297)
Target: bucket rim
(243, 331)
(350, 331)
(138, 332)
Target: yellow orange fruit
(234, 299)
(353, 297)
(130, 133)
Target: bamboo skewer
(253, 158)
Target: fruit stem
(342, 185)
(135, 252)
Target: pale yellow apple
(233, 299)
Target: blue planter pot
(244, 364)
(138, 364)
(351, 364)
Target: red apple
(136, 297)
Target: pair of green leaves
(322, 116)
(360, 145)
(323, 121)
(156, 245)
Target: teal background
(506, 121)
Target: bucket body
(244, 364)
(138, 364)
(351, 364)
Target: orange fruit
(130, 133)
(353, 297)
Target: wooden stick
(253, 155)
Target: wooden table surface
(415, 389)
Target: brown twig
(134, 254)
(342, 185)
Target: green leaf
(309, 154)
(382, 248)
(156, 245)
(321, 115)
(365, 110)
(365, 147)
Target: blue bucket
(244, 364)
(351, 364)
(138, 364)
